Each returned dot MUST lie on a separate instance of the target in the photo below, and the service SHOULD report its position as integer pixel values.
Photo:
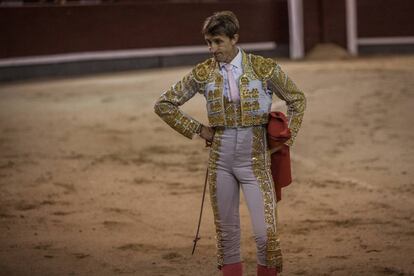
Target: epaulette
(203, 70)
(263, 67)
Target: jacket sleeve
(167, 106)
(280, 84)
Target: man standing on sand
(238, 88)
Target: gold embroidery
(230, 109)
(286, 90)
(263, 67)
(261, 169)
(178, 86)
(216, 120)
(247, 119)
(210, 95)
(216, 106)
(244, 81)
(203, 71)
(219, 80)
(217, 115)
(232, 113)
(212, 180)
(255, 105)
(244, 93)
(217, 93)
(247, 68)
(246, 106)
(167, 106)
(247, 94)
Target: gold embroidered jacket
(261, 78)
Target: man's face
(222, 47)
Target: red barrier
(49, 30)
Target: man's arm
(285, 89)
(167, 106)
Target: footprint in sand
(132, 247)
(80, 255)
(5, 175)
(44, 178)
(142, 159)
(369, 160)
(405, 188)
(108, 99)
(299, 202)
(373, 250)
(336, 269)
(297, 250)
(341, 257)
(126, 212)
(331, 183)
(141, 181)
(124, 270)
(114, 225)
(26, 206)
(75, 156)
(316, 184)
(7, 165)
(180, 188)
(132, 119)
(375, 168)
(325, 210)
(160, 150)
(300, 231)
(171, 256)
(388, 270)
(5, 215)
(137, 247)
(300, 272)
(43, 246)
(112, 158)
(379, 205)
(68, 187)
(63, 213)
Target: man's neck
(235, 52)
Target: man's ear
(235, 39)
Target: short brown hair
(222, 22)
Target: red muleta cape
(277, 134)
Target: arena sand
(92, 182)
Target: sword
(201, 212)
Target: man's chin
(218, 59)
